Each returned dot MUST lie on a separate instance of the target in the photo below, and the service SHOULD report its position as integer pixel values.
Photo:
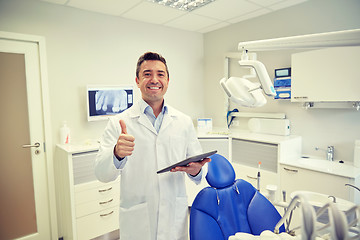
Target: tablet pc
(196, 158)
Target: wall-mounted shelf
(332, 105)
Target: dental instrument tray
(196, 158)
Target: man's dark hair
(150, 56)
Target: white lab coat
(152, 206)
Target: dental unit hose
(258, 177)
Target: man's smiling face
(153, 81)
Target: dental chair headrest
(220, 174)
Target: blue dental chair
(229, 206)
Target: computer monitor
(105, 101)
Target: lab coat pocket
(180, 228)
(134, 222)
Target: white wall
(318, 127)
(89, 48)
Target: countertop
(79, 148)
(259, 137)
(213, 134)
(325, 166)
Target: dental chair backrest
(229, 206)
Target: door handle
(36, 145)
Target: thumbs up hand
(125, 143)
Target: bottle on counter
(65, 134)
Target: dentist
(149, 136)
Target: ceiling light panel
(185, 5)
(153, 13)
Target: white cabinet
(244, 151)
(246, 158)
(208, 143)
(326, 75)
(86, 207)
(248, 149)
(221, 144)
(296, 178)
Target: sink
(318, 200)
(323, 164)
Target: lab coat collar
(144, 105)
(137, 111)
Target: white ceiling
(212, 16)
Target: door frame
(40, 41)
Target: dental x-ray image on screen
(104, 101)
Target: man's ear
(137, 81)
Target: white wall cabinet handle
(106, 202)
(254, 178)
(106, 214)
(291, 170)
(105, 190)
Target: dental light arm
(317, 40)
(245, 92)
(263, 76)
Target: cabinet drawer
(97, 224)
(295, 179)
(87, 208)
(98, 192)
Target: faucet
(330, 153)
(333, 198)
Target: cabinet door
(250, 153)
(249, 174)
(219, 144)
(83, 167)
(97, 224)
(333, 69)
(208, 144)
(295, 179)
